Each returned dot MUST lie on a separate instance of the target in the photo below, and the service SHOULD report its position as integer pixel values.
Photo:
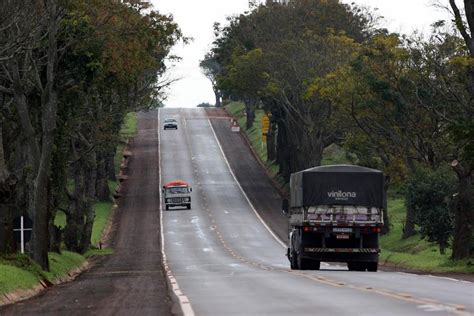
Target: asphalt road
(226, 262)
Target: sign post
(265, 127)
(22, 228)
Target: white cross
(22, 234)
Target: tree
(463, 130)
(211, 70)
(135, 37)
(429, 194)
(70, 72)
(22, 66)
(291, 55)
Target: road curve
(226, 262)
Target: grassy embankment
(412, 253)
(19, 272)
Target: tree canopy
(70, 72)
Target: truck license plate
(342, 236)
(342, 230)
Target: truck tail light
(368, 230)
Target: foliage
(429, 194)
(70, 73)
(413, 252)
(271, 68)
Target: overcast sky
(196, 19)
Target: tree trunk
(250, 114)
(442, 247)
(386, 218)
(102, 183)
(110, 165)
(409, 228)
(271, 150)
(283, 153)
(218, 98)
(90, 172)
(74, 215)
(464, 214)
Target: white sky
(196, 19)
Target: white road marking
(183, 300)
(435, 277)
(242, 190)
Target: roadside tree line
(326, 73)
(69, 73)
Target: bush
(429, 194)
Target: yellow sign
(265, 124)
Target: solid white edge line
(436, 277)
(184, 303)
(242, 190)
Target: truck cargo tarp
(175, 183)
(337, 185)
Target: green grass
(20, 272)
(129, 130)
(412, 253)
(61, 264)
(102, 213)
(130, 126)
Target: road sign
(22, 228)
(265, 124)
(235, 127)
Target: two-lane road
(226, 261)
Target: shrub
(429, 194)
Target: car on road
(170, 123)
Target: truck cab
(177, 193)
(336, 214)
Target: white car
(170, 123)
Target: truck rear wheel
(351, 266)
(304, 264)
(167, 207)
(293, 260)
(356, 266)
(188, 206)
(315, 265)
(372, 266)
(361, 266)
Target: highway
(223, 260)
